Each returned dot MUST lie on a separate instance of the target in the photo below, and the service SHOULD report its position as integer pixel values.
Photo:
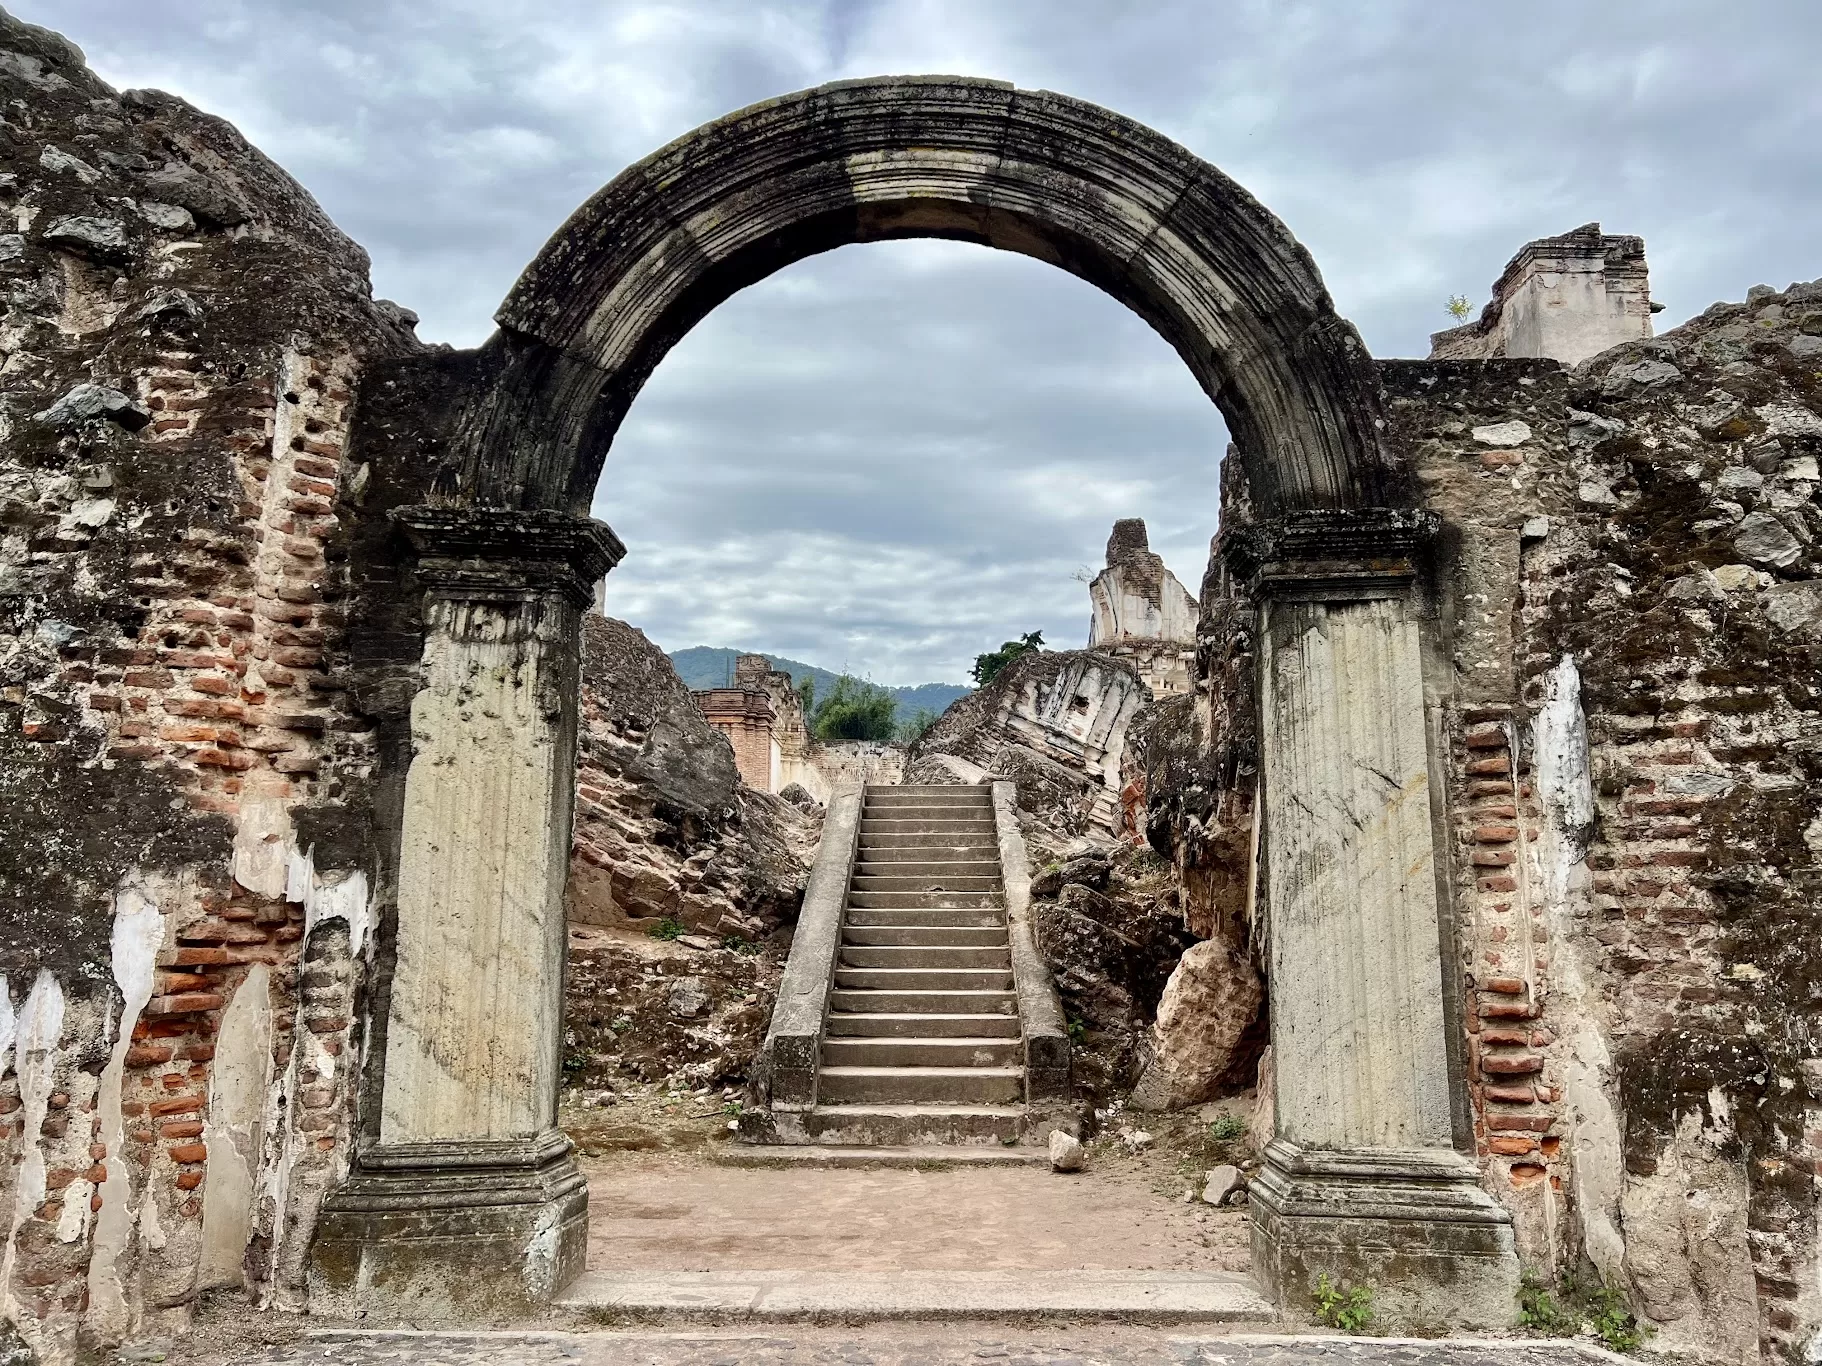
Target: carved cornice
(1357, 553)
(492, 552)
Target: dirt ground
(657, 1198)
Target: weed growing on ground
(1227, 1129)
(1348, 1308)
(1585, 1304)
(668, 928)
(735, 944)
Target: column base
(461, 1229)
(1412, 1226)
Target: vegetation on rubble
(988, 666)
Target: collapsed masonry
(289, 681)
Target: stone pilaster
(1362, 1181)
(465, 1197)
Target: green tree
(988, 666)
(913, 726)
(855, 710)
(806, 695)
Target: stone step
(930, 796)
(926, 1157)
(963, 816)
(914, 1085)
(1002, 1305)
(906, 1002)
(925, 936)
(918, 917)
(939, 868)
(927, 882)
(930, 901)
(877, 840)
(922, 826)
(921, 1025)
(923, 979)
(914, 1125)
(891, 1051)
(926, 956)
(984, 852)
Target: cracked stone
(103, 239)
(1764, 538)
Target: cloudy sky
(894, 456)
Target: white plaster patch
(1565, 785)
(9, 1024)
(235, 1128)
(37, 1030)
(262, 845)
(137, 935)
(336, 895)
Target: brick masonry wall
(1625, 666)
(1630, 653)
(178, 975)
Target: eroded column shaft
(1357, 1018)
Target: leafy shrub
(854, 710)
(1350, 1309)
(913, 726)
(667, 928)
(988, 666)
(1585, 1304)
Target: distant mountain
(704, 666)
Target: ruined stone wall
(1625, 684)
(181, 920)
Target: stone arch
(463, 1189)
(1094, 193)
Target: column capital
(495, 552)
(1330, 553)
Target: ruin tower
(1563, 298)
(1142, 613)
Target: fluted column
(465, 1196)
(1361, 1182)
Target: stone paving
(896, 1345)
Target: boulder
(1066, 1152)
(1204, 1022)
(1765, 540)
(188, 188)
(1220, 1183)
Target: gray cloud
(894, 456)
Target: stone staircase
(923, 1042)
(915, 1012)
